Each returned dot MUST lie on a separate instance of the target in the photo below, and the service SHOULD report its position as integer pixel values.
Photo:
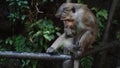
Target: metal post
(76, 63)
(68, 64)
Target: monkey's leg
(58, 42)
(85, 40)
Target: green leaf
(87, 62)
(46, 32)
(11, 3)
(23, 17)
(79, 1)
(95, 9)
(101, 25)
(19, 3)
(52, 37)
(9, 41)
(103, 13)
(58, 33)
(47, 37)
(56, 28)
(37, 34)
(31, 32)
(25, 2)
(20, 44)
(1, 41)
(41, 41)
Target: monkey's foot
(50, 50)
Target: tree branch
(106, 34)
(102, 48)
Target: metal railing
(25, 55)
(67, 59)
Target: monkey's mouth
(67, 20)
(68, 24)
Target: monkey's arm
(58, 42)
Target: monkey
(80, 28)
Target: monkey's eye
(73, 10)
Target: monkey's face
(69, 28)
(65, 13)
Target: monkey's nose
(63, 18)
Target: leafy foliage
(87, 62)
(79, 1)
(102, 16)
(45, 28)
(42, 32)
(20, 44)
(18, 8)
(38, 32)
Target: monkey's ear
(73, 9)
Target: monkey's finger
(50, 50)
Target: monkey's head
(69, 14)
(65, 11)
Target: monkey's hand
(68, 32)
(50, 50)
